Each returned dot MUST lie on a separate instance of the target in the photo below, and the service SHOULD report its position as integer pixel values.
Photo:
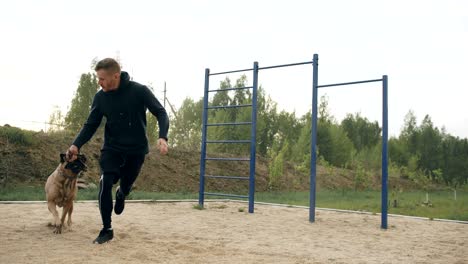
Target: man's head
(108, 73)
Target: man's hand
(72, 153)
(162, 146)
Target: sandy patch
(177, 233)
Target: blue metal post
(313, 141)
(201, 195)
(253, 139)
(384, 152)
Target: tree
(301, 148)
(362, 132)
(409, 133)
(81, 102)
(287, 129)
(276, 167)
(455, 162)
(267, 125)
(429, 147)
(324, 115)
(56, 119)
(398, 151)
(333, 144)
(186, 127)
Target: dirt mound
(176, 172)
(31, 159)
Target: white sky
(420, 45)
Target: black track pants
(116, 166)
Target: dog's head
(75, 166)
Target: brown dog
(61, 189)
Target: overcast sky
(421, 45)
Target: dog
(61, 189)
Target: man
(123, 103)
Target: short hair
(108, 64)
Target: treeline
(428, 150)
(422, 153)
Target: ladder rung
(226, 195)
(228, 177)
(230, 89)
(229, 159)
(230, 124)
(228, 141)
(228, 106)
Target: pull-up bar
(264, 68)
(218, 73)
(285, 65)
(313, 164)
(349, 83)
(313, 156)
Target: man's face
(107, 80)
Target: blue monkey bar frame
(252, 141)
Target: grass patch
(17, 135)
(409, 203)
(223, 206)
(198, 207)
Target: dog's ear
(62, 157)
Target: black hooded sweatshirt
(125, 112)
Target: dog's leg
(53, 210)
(58, 229)
(69, 222)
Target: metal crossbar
(228, 106)
(285, 65)
(231, 89)
(264, 68)
(218, 73)
(348, 83)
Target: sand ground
(177, 233)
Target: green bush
(14, 135)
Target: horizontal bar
(229, 159)
(348, 83)
(264, 68)
(226, 195)
(231, 89)
(226, 72)
(227, 177)
(228, 141)
(228, 106)
(285, 65)
(230, 124)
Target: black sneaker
(119, 201)
(105, 236)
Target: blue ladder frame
(252, 141)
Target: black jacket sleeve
(155, 107)
(90, 126)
